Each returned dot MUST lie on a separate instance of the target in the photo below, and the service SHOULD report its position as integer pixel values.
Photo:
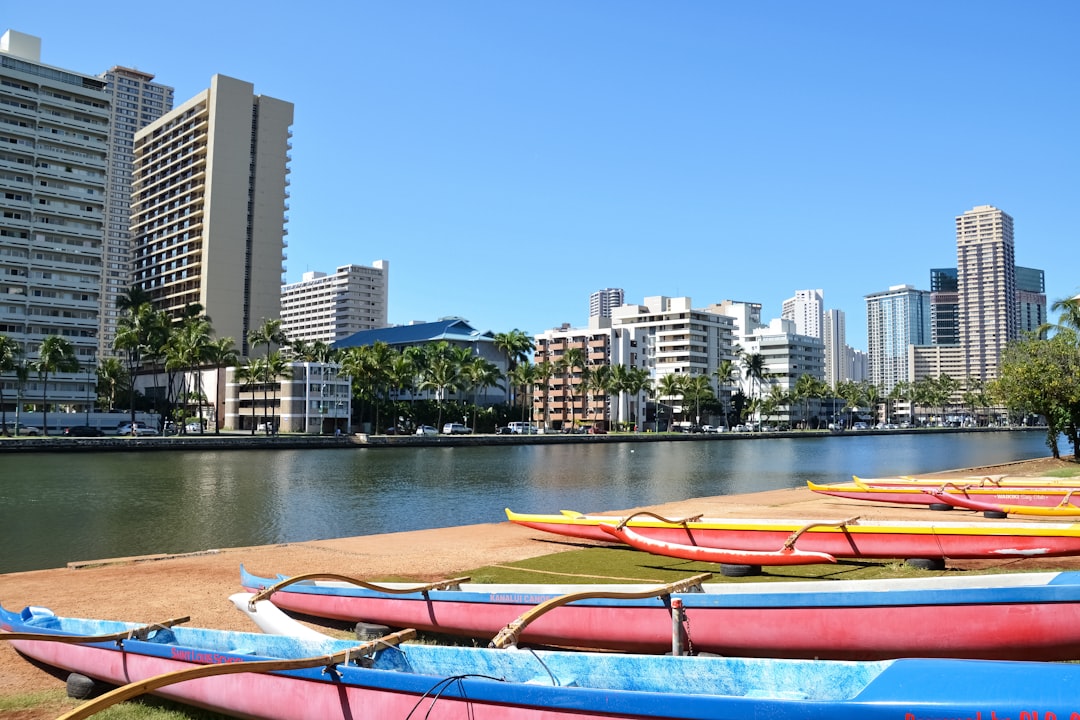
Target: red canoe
(784, 556)
(852, 538)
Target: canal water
(60, 508)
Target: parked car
(455, 429)
(11, 427)
(140, 429)
(522, 428)
(193, 427)
(426, 430)
(710, 429)
(82, 431)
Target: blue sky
(509, 158)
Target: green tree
(697, 389)
(443, 376)
(516, 345)
(755, 372)
(1043, 377)
(545, 370)
(597, 383)
(670, 387)
(573, 358)
(10, 351)
(221, 353)
(55, 355)
(113, 376)
(726, 373)
(480, 374)
(267, 334)
(523, 378)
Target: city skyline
(511, 160)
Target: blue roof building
(452, 330)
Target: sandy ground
(151, 589)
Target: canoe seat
(161, 636)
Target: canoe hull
(852, 620)
(893, 540)
(448, 683)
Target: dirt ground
(156, 588)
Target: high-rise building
(136, 101)
(944, 307)
(602, 301)
(209, 190)
(986, 288)
(806, 309)
(1031, 298)
(896, 319)
(331, 307)
(834, 336)
(54, 131)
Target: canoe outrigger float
(852, 538)
(1010, 616)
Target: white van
(522, 428)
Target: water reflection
(60, 508)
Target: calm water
(55, 509)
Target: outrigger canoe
(271, 677)
(1016, 505)
(850, 538)
(1015, 616)
(922, 493)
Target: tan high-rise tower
(986, 288)
(208, 204)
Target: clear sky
(510, 157)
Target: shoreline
(233, 440)
(148, 588)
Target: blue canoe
(242, 674)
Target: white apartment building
(806, 309)
(331, 307)
(209, 191)
(834, 338)
(677, 339)
(602, 301)
(54, 144)
(989, 315)
(135, 102)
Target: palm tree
(697, 388)
(136, 333)
(480, 373)
(574, 357)
(9, 356)
(516, 345)
(187, 349)
(522, 378)
(112, 375)
(220, 353)
(247, 376)
(55, 354)
(754, 366)
(545, 370)
(597, 382)
(1069, 318)
(277, 367)
(269, 333)
(669, 386)
(443, 376)
(726, 373)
